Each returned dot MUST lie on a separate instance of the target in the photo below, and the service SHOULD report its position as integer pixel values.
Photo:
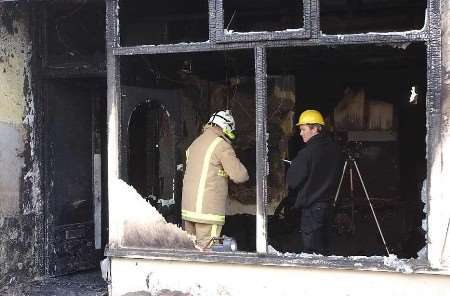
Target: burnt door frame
(43, 73)
(64, 243)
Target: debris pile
(134, 223)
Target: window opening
(67, 25)
(163, 22)
(378, 117)
(339, 17)
(363, 92)
(260, 16)
(191, 87)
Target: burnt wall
(439, 219)
(20, 200)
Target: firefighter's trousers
(202, 232)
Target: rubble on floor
(79, 284)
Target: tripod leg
(340, 183)
(352, 199)
(371, 207)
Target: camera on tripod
(353, 149)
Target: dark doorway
(151, 135)
(151, 160)
(76, 202)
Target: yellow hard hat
(310, 117)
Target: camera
(353, 149)
(350, 147)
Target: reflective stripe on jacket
(211, 160)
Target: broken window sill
(375, 263)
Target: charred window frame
(79, 65)
(430, 34)
(310, 21)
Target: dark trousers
(315, 225)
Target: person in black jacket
(313, 177)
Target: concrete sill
(375, 263)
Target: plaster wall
(443, 215)
(11, 146)
(439, 201)
(19, 174)
(12, 102)
(155, 277)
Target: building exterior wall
(438, 200)
(19, 174)
(21, 205)
(428, 275)
(440, 212)
(156, 277)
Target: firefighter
(313, 177)
(210, 162)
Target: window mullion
(219, 21)
(212, 20)
(314, 19)
(261, 149)
(113, 92)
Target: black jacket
(314, 172)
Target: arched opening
(151, 157)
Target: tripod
(351, 162)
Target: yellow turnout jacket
(210, 161)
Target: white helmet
(225, 120)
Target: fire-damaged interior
(360, 16)
(365, 93)
(373, 100)
(372, 95)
